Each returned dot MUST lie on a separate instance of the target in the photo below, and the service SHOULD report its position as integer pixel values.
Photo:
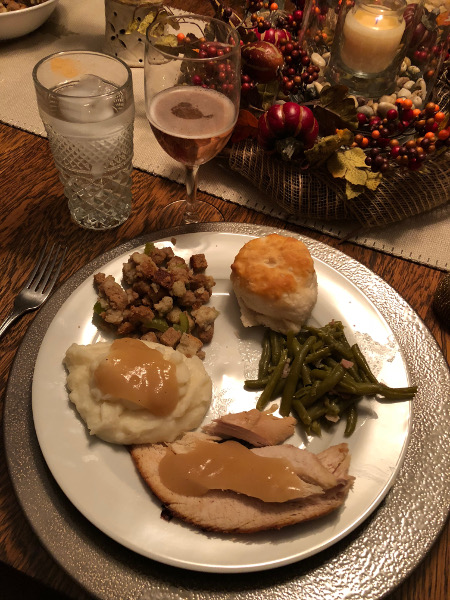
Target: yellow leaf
(356, 157)
(352, 191)
(356, 176)
(373, 180)
(336, 165)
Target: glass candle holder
(368, 47)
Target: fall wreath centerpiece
(311, 131)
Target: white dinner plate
(101, 481)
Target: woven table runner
(81, 25)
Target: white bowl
(20, 22)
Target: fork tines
(47, 271)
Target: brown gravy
(229, 466)
(140, 375)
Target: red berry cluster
(260, 22)
(298, 70)
(247, 84)
(382, 147)
(214, 74)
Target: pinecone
(441, 301)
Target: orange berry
(430, 136)
(444, 134)
(394, 143)
(416, 112)
(273, 6)
(407, 103)
(376, 134)
(180, 37)
(364, 142)
(439, 117)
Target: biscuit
(275, 283)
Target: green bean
(318, 355)
(275, 376)
(331, 380)
(301, 412)
(397, 393)
(352, 417)
(316, 428)
(317, 346)
(294, 376)
(319, 373)
(362, 363)
(316, 411)
(276, 345)
(332, 407)
(306, 376)
(329, 339)
(354, 372)
(318, 385)
(264, 361)
(256, 384)
(292, 343)
(279, 388)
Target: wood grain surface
(33, 209)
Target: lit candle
(371, 37)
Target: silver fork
(38, 286)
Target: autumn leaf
(335, 110)
(350, 165)
(352, 191)
(443, 19)
(268, 92)
(246, 127)
(373, 180)
(327, 146)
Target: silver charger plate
(368, 563)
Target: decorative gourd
(273, 36)
(261, 61)
(287, 120)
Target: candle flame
(378, 19)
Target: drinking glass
(192, 92)
(85, 101)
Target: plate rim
(44, 482)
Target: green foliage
(335, 110)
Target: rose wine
(191, 123)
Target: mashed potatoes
(122, 422)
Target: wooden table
(33, 209)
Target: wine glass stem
(190, 211)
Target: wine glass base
(174, 214)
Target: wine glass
(192, 92)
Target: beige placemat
(81, 25)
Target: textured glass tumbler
(85, 101)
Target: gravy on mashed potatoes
(134, 392)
